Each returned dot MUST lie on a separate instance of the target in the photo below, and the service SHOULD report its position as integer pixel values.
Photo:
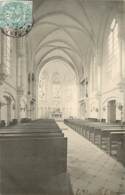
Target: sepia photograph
(62, 97)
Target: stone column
(8, 111)
(14, 108)
(79, 102)
(121, 21)
(19, 48)
(2, 65)
(19, 95)
(99, 80)
(123, 111)
(0, 110)
(8, 101)
(29, 97)
(121, 85)
(33, 109)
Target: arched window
(93, 73)
(56, 85)
(43, 86)
(112, 56)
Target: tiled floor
(90, 168)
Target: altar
(57, 114)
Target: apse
(57, 91)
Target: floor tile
(89, 167)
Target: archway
(57, 92)
(8, 109)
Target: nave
(69, 66)
(91, 169)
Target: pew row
(31, 158)
(106, 136)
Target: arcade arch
(57, 92)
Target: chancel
(62, 97)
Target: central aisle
(89, 167)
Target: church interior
(62, 97)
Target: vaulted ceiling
(69, 30)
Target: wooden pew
(101, 134)
(121, 152)
(101, 130)
(31, 157)
(116, 141)
(32, 134)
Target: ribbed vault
(68, 30)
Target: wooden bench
(31, 157)
(121, 152)
(103, 130)
(116, 141)
(101, 134)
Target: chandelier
(16, 18)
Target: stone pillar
(123, 111)
(19, 95)
(33, 106)
(8, 112)
(8, 101)
(121, 85)
(122, 90)
(1, 47)
(79, 102)
(19, 86)
(29, 95)
(20, 91)
(0, 110)
(3, 74)
(121, 21)
(14, 108)
(99, 80)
